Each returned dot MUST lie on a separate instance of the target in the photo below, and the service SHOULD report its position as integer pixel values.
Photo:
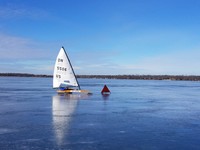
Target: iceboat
(64, 78)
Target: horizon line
(17, 73)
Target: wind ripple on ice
(5, 130)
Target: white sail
(63, 72)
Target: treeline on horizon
(144, 77)
(134, 77)
(24, 75)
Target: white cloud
(19, 11)
(184, 63)
(13, 47)
(19, 54)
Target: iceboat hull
(72, 91)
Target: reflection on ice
(63, 107)
(105, 96)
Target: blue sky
(101, 36)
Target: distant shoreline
(24, 75)
(133, 77)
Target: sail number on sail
(58, 76)
(60, 68)
(60, 60)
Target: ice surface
(136, 115)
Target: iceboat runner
(64, 78)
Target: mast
(71, 68)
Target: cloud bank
(19, 54)
(17, 11)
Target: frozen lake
(138, 114)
